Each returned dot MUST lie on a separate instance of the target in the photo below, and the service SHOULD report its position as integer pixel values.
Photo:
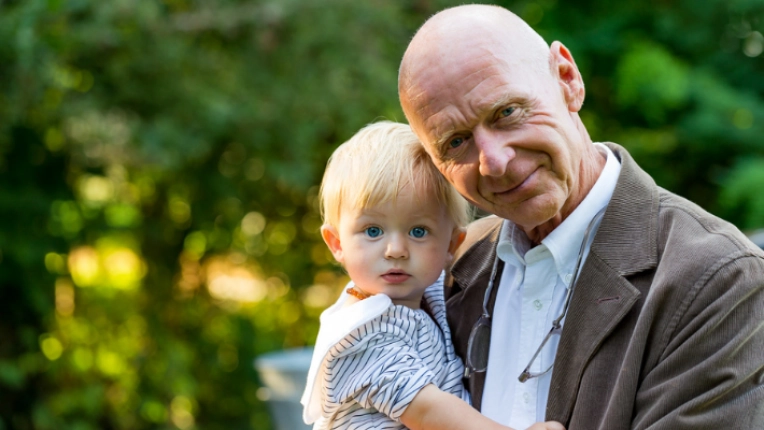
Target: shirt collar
(513, 244)
(564, 242)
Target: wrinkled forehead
(455, 75)
(441, 91)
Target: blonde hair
(373, 166)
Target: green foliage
(742, 193)
(650, 79)
(159, 163)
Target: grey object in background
(284, 374)
(757, 237)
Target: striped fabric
(370, 377)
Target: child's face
(398, 249)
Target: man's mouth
(519, 186)
(395, 276)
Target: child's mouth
(395, 276)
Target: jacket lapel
(625, 244)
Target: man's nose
(494, 153)
(396, 247)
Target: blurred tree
(159, 163)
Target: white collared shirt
(531, 293)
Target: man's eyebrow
(442, 134)
(442, 137)
(508, 99)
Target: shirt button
(568, 278)
(526, 397)
(537, 304)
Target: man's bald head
(496, 108)
(457, 33)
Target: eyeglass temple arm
(557, 323)
(526, 375)
(488, 290)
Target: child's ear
(457, 237)
(332, 238)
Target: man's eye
(418, 232)
(506, 112)
(456, 142)
(373, 231)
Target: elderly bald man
(617, 304)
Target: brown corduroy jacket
(666, 325)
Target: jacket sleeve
(710, 374)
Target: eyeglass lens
(477, 346)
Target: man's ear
(569, 77)
(457, 237)
(332, 238)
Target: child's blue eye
(418, 232)
(373, 231)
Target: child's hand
(549, 425)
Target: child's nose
(396, 247)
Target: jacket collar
(632, 213)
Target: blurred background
(159, 163)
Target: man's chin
(529, 214)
